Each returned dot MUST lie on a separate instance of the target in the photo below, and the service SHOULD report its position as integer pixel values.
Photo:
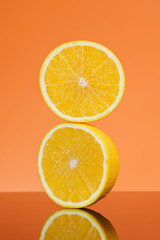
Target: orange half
(82, 81)
(78, 164)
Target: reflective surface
(134, 215)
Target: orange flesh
(72, 164)
(82, 81)
(73, 227)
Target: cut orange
(77, 224)
(82, 81)
(78, 164)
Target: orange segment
(77, 225)
(82, 81)
(78, 164)
(74, 58)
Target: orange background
(29, 31)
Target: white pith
(85, 118)
(72, 163)
(82, 82)
(94, 195)
(81, 213)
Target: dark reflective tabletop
(134, 215)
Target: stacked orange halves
(78, 164)
(81, 82)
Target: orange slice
(78, 164)
(77, 225)
(82, 81)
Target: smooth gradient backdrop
(29, 31)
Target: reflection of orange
(82, 81)
(78, 164)
(77, 224)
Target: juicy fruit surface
(77, 225)
(81, 81)
(73, 164)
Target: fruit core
(73, 163)
(82, 82)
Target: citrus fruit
(78, 164)
(82, 81)
(77, 224)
